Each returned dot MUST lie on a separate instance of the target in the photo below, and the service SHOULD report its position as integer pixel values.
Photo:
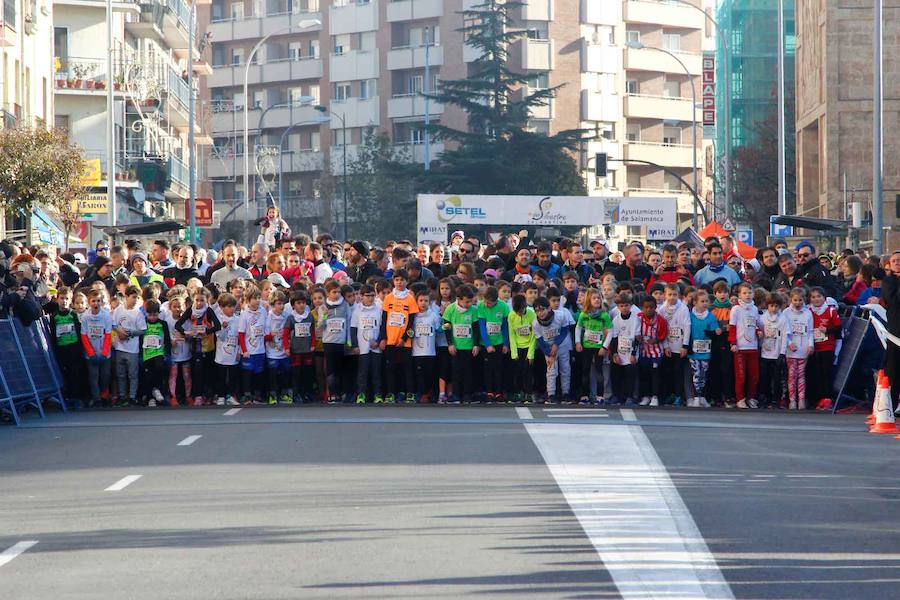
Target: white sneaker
(801, 405)
(220, 401)
(151, 403)
(703, 403)
(654, 401)
(645, 401)
(792, 405)
(157, 395)
(742, 404)
(753, 403)
(230, 401)
(694, 403)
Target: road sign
(728, 224)
(203, 212)
(744, 235)
(93, 204)
(776, 230)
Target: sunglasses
(804, 255)
(106, 249)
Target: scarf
(334, 304)
(400, 295)
(722, 304)
(198, 314)
(819, 310)
(715, 269)
(700, 315)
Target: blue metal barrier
(40, 359)
(29, 373)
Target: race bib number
(523, 331)
(396, 319)
(95, 331)
(230, 344)
(675, 333)
(798, 328)
(462, 331)
(594, 337)
(702, 346)
(771, 331)
(550, 334)
(199, 330)
(819, 335)
(367, 322)
(494, 328)
(64, 329)
(749, 323)
(769, 344)
(152, 342)
(256, 331)
(301, 329)
(626, 345)
(424, 330)
(334, 325)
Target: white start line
(231, 412)
(629, 508)
(15, 550)
(122, 483)
(189, 440)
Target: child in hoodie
(593, 331)
(743, 335)
(675, 348)
(335, 322)
(396, 339)
(521, 347)
(300, 341)
(623, 346)
(199, 326)
(365, 339)
(552, 331)
(278, 362)
(800, 347)
(826, 329)
(774, 328)
(703, 323)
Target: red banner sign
(709, 94)
(204, 212)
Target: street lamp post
(341, 118)
(192, 160)
(110, 120)
(638, 45)
(425, 87)
(877, 144)
(304, 24)
(321, 121)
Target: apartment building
(151, 99)
(26, 77)
(834, 89)
(365, 61)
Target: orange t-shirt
(397, 313)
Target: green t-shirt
(594, 328)
(521, 333)
(65, 328)
(461, 331)
(493, 317)
(153, 341)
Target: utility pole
(192, 159)
(877, 145)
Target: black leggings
(523, 370)
(398, 364)
(463, 371)
(334, 367)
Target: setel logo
(452, 207)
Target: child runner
(703, 326)
(278, 362)
(494, 336)
(300, 332)
(227, 355)
(553, 332)
(156, 345)
(623, 347)
(775, 329)
(744, 334)
(654, 331)
(592, 334)
(522, 344)
(826, 329)
(251, 339)
(96, 339)
(426, 325)
(800, 347)
(459, 323)
(396, 339)
(130, 325)
(365, 339)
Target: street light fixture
(318, 121)
(304, 24)
(639, 46)
(341, 118)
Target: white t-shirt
(134, 323)
(181, 349)
(253, 325)
(227, 348)
(275, 326)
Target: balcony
(271, 71)
(416, 152)
(410, 10)
(412, 105)
(166, 20)
(667, 155)
(413, 57)
(601, 13)
(337, 157)
(537, 55)
(667, 14)
(599, 106)
(295, 161)
(228, 119)
(82, 76)
(538, 10)
(117, 5)
(303, 161)
(353, 17)
(648, 59)
(357, 111)
(659, 107)
(353, 65)
(180, 175)
(597, 58)
(302, 207)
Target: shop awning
(810, 223)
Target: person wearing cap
(141, 274)
(418, 273)
(600, 248)
(811, 270)
(277, 280)
(101, 271)
(359, 266)
(456, 238)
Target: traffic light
(600, 164)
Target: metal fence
(29, 373)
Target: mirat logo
(453, 207)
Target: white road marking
(15, 550)
(577, 416)
(631, 511)
(189, 440)
(524, 413)
(579, 410)
(231, 411)
(122, 483)
(628, 415)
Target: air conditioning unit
(30, 24)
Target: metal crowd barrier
(29, 373)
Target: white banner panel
(658, 215)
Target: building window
(237, 56)
(633, 132)
(414, 84)
(314, 143)
(340, 44)
(368, 88)
(671, 136)
(632, 35)
(314, 92)
(416, 135)
(541, 126)
(294, 95)
(365, 41)
(295, 50)
(537, 31)
(237, 10)
(672, 42)
(672, 88)
(258, 99)
(539, 81)
(313, 49)
(340, 91)
(671, 183)
(632, 87)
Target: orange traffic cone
(884, 409)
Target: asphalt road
(447, 502)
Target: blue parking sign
(745, 236)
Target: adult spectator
(504, 250)
(142, 274)
(789, 277)
(184, 268)
(69, 274)
(230, 270)
(780, 246)
(321, 269)
(361, 267)
(101, 249)
(101, 271)
(716, 269)
(259, 253)
(417, 273)
(436, 258)
(160, 256)
(16, 288)
(633, 267)
(285, 246)
(768, 261)
(850, 268)
(575, 262)
(544, 260)
(468, 252)
(399, 257)
(600, 248)
(521, 266)
(728, 249)
(862, 283)
(812, 272)
(890, 294)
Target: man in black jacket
(634, 267)
(359, 266)
(101, 271)
(890, 297)
(184, 268)
(813, 273)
